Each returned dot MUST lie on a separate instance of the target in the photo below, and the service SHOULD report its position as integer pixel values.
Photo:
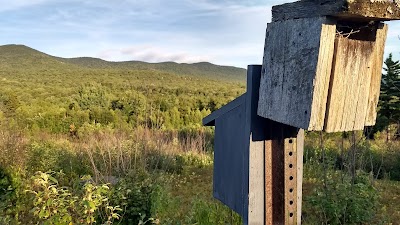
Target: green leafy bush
(56, 205)
(338, 201)
(134, 194)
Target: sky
(224, 32)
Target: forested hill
(20, 56)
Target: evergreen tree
(389, 102)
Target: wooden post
(283, 175)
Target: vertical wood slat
(256, 183)
(350, 83)
(268, 183)
(274, 182)
(300, 154)
(290, 181)
(375, 87)
(283, 196)
(256, 126)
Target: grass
(389, 200)
(183, 177)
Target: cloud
(151, 54)
(226, 32)
(18, 4)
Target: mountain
(23, 57)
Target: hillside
(23, 57)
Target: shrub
(157, 161)
(134, 194)
(339, 201)
(56, 205)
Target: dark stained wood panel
(231, 143)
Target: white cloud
(151, 54)
(229, 32)
(7, 5)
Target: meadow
(84, 141)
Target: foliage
(50, 94)
(134, 194)
(341, 202)
(130, 144)
(168, 210)
(389, 101)
(60, 205)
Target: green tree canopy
(389, 102)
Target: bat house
(323, 61)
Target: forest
(86, 141)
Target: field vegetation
(85, 141)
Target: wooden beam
(376, 77)
(256, 183)
(256, 148)
(290, 181)
(274, 182)
(356, 10)
(299, 166)
(284, 176)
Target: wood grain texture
(350, 84)
(268, 191)
(322, 78)
(297, 64)
(256, 127)
(256, 183)
(275, 182)
(291, 181)
(300, 154)
(277, 174)
(355, 10)
(376, 76)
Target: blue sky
(225, 32)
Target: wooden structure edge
(363, 10)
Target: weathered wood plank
(349, 88)
(376, 76)
(256, 183)
(300, 154)
(364, 84)
(297, 65)
(268, 191)
(349, 9)
(256, 127)
(278, 184)
(275, 182)
(322, 79)
(290, 181)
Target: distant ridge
(20, 56)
